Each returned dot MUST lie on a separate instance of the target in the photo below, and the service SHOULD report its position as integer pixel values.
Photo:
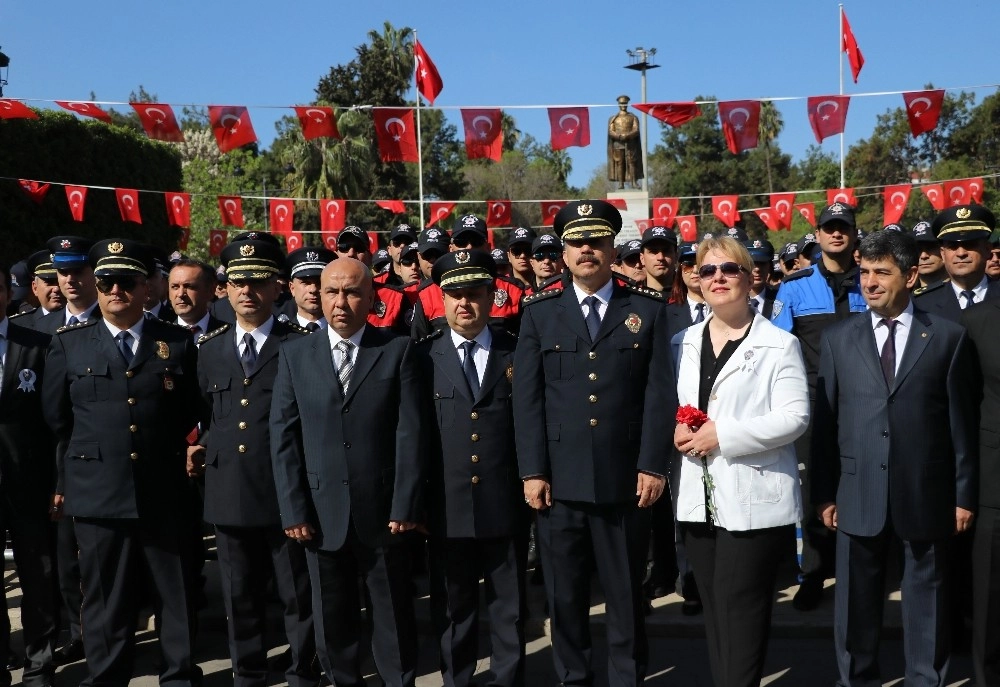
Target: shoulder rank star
(633, 323)
(162, 350)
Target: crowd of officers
(329, 412)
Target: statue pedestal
(637, 208)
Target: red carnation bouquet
(692, 417)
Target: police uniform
(65, 252)
(389, 276)
(121, 429)
(38, 264)
(474, 497)
(762, 251)
(589, 417)
(240, 498)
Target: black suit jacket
(909, 451)
(940, 300)
(983, 324)
(122, 429)
(474, 488)
(239, 482)
(678, 317)
(356, 458)
(27, 452)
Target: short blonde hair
(729, 247)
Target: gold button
(593, 422)
(89, 370)
(245, 402)
(592, 376)
(246, 382)
(134, 456)
(133, 428)
(475, 415)
(475, 437)
(592, 355)
(475, 479)
(475, 458)
(128, 373)
(593, 399)
(131, 401)
(243, 425)
(241, 448)
(558, 347)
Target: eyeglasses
(475, 242)
(518, 251)
(730, 270)
(546, 255)
(125, 283)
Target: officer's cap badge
(584, 210)
(462, 257)
(246, 250)
(963, 213)
(115, 247)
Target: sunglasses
(546, 255)
(730, 270)
(468, 243)
(106, 284)
(631, 260)
(518, 251)
(408, 262)
(398, 242)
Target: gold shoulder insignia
(212, 334)
(297, 328)
(433, 335)
(78, 325)
(921, 290)
(540, 295)
(21, 314)
(643, 291)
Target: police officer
(593, 382)
(401, 236)
(501, 260)
(236, 370)
(474, 497)
(431, 244)
(630, 255)
(76, 282)
(158, 303)
(546, 261)
(686, 305)
(44, 287)
(304, 266)
(519, 254)
(352, 242)
(762, 294)
(380, 261)
(659, 258)
(121, 395)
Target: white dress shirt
(904, 324)
(979, 290)
(135, 330)
(336, 338)
(82, 317)
(259, 335)
(201, 324)
(603, 295)
(303, 322)
(693, 308)
(480, 352)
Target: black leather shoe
(70, 653)
(14, 662)
(809, 595)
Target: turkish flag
(281, 213)
(293, 241)
(85, 109)
(394, 206)
(76, 196)
(128, 204)
(849, 45)
(895, 198)
(922, 110)
(673, 114)
(231, 210)
(841, 195)
(483, 134)
(769, 216)
(178, 209)
(665, 210)
(687, 225)
(827, 114)
(570, 127)
(782, 204)
(217, 239)
(499, 215)
(35, 190)
(332, 215)
(960, 191)
(231, 126)
(429, 81)
(975, 189)
(551, 208)
(618, 203)
(490, 238)
(807, 210)
(396, 134)
(724, 207)
(438, 212)
(642, 225)
(740, 124)
(182, 240)
(317, 121)
(15, 109)
(935, 195)
(159, 121)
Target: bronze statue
(624, 146)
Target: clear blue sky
(267, 55)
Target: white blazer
(760, 405)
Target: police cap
(658, 233)
(308, 261)
(252, 260)
(521, 235)
(838, 212)
(964, 223)
(68, 252)
(433, 239)
(587, 219)
(121, 257)
(464, 268)
(40, 265)
(546, 242)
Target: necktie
(248, 358)
(73, 319)
(755, 305)
(469, 367)
(125, 340)
(593, 317)
(969, 297)
(312, 327)
(195, 331)
(346, 364)
(700, 315)
(888, 356)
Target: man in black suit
(236, 369)
(593, 382)
(348, 460)
(475, 500)
(27, 477)
(190, 289)
(894, 457)
(121, 394)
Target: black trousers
(68, 566)
(615, 537)
(986, 597)
(113, 554)
(736, 573)
(456, 568)
(337, 611)
(247, 556)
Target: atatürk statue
(624, 146)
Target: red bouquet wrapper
(692, 417)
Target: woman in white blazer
(738, 496)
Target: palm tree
(329, 168)
(770, 126)
(511, 134)
(397, 46)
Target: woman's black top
(711, 366)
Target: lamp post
(639, 62)
(4, 69)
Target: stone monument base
(637, 208)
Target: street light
(4, 69)
(639, 62)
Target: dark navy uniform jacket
(940, 299)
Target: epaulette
(921, 290)
(804, 272)
(540, 296)
(78, 325)
(550, 281)
(647, 292)
(212, 334)
(296, 327)
(173, 324)
(19, 314)
(433, 335)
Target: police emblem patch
(162, 350)
(462, 257)
(380, 308)
(312, 256)
(65, 243)
(500, 297)
(776, 309)
(633, 323)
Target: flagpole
(420, 152)
(840, 60)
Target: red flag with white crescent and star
(551, 208)
(158, 121)
(499, 214)
(923, 108)
(959, 191)
(372, 242)
(438, 212)
(849, 45)
(15, 109)
(293, 240)
(895, 198)
(570, 127)
(231, 211)
(332, 215)
(935, 196)
(231, 126)
(317, 121)
(665, 210)
(429, 81)
(808, 211)
(182, 240)
(35, 190)
(782, 204)
(282, 215)
(687, 226)
(396, 134)
(769, 217)
(724, 207)
(674, 114)
(490, 239)
(128, 204)
(76, 196)
(642, 225)
(618, 203)
(178, 209)
(740, 124)
(483, 134)
(217, 239)
(841, 195)
(394, 206)
(85, 109)
(827, 114)
(975, 186)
